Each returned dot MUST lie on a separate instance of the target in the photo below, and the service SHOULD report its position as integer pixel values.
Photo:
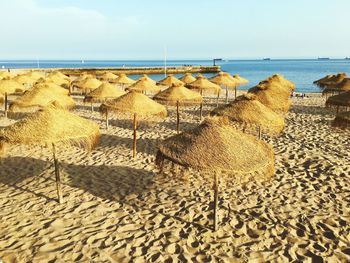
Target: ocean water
(301, 72)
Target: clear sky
(190, 29)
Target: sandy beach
(120, 209)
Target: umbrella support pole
(92, 107)
(6, 102)
(107, 124)
(135, 139)
(57, 174)
(177, 118)
(216, 198)
(235, 92)
(226, 95)
(200, 112)
(259, 132)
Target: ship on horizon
(323, 58)
(266, 58)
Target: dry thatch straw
(330, 80)
(169, 81)
(342, 120)
(248, 111)
(176, 96)
(187, 78)
(143, 85)
(88, 84)
(103, 92)
(11, 86)
(225, 80)
(52, 87)
(241, 80)
(137, 104)
(2, 99)
(216, 147)
(25, 80)
(124, 80)
(204, 85)
(35, 75)
(340, 100)
(145, 77)
(5, 75)
(109, 76)
(39, 98)
(52, 126)
(58, 74)
(343, 86)
(79, 79)
(280, 80)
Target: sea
(302, 71)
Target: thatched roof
(24, 80)
(342, 99)
(169, 81)
(247, 110)
(143, 84)
(124, 79)
(223, 79)
(342, 120)
(88, 84)
(82, 77)
(344, 85)
(58, 74)
(203, 84)
(216, 146)
(280, 80)
(103, 92)
(134, 102)
(38, 98)
(35, 75)
(180, 94)
(109, 76)
(52, 87)
(240, 80)
(330, 80)
(187, 78)
(51, 125)
(11, 86)
(145, 77)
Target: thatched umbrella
(176, 96)
(52, 126)
(25, 80)
(35, 75)
(202, 84)
(104, 92)
(342, 120)
(216, 147)
(124, 80)
(273, 95)
(139, 105)
(169, 81)
(109, 76)
(9, 86)
(38, 98)
(343, 86)
(52, 87)
(340, 100)
(79, 79)
(88, 84)
(330, 80)
(58, 74)
(225, 81)
(145, 77)
(247, 110)
(187, 78)
(143, 85)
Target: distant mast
(82, 61)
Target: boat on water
(347, 58)
(266, 58)
(323, 58)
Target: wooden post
(216, 197)
(92, 107)
(200, 112)
(134, 126)
(177, 118)
(235, 92)
(226, 95)
(259, 132)
(6, 104)
(107, 124)
(217, 100)
(58, 177)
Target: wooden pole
(58, 177)
(107, 124)
(217, 100)
(135, 127)
(216, 197)
(92, 107)
(177, 118)
(260, 132)
(6, 104)
(235, 92)
(226, 95)
(201, 108)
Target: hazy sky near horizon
(190, 29)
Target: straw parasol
(224, 80)
(9, 86)
(41, 98)
(176, 96)
(52, 87)
(216, 147)
(343, 86)
(280, 80)
(247, 110)
(143, 84)
(137, 104)
(169, 81)
(25, 80)
(52, 126)
(124, 80)
(202, 84)
(88, 84)
(187, 78)
(273, 95)
(342, 120)
(330, 80)
(82, 77)
(109, 76)
(35, 75)
(145, 77)
(340, 100)
(58, 74)
(102, 93)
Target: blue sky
(197, 29)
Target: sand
(119, 209)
